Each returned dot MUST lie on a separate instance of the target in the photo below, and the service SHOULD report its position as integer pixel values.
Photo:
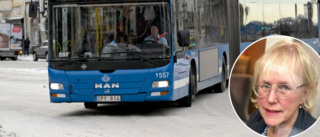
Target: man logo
(106, 85)
(105, 78)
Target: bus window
(82, 31)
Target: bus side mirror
(33, 9)
(184, 38)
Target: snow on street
(26, 111)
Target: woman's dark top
(303, 122)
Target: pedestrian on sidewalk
(26, 46)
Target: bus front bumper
(140, 97)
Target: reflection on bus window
(82, 31)
(259, 18)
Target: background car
(41, 52)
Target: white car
(41, 52)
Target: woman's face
(277, 111)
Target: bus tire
(187, 101)
(90, 105)
(220, 87)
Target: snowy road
(26, 110)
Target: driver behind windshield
(156, 37)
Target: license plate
(108, 98)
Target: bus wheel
(222, 85)
(187, 101)
(90, 105)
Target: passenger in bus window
(285, 85)
(84, 44)
(124, 26)
(109, 39)
(156, 37)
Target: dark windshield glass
(111, 31)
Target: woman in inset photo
(284, 88)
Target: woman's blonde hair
(289, 55)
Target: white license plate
(108, 98)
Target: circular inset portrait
(274, 85)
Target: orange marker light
(54, 95)
(164, 93)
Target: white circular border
(309, 50)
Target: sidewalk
(25, 57)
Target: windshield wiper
(139, 54)
(69, 62)
(134, 53)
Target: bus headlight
(160, 84)
(56, 86)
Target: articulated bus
(99, 51)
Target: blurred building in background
(17, 13)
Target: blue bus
(100, 50)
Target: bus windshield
(129, 31)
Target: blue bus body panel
(118, 82)
(182, 70)
(131, 85)
(181, 78)
(222, 49)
